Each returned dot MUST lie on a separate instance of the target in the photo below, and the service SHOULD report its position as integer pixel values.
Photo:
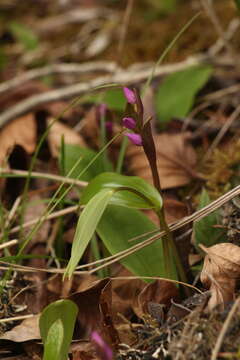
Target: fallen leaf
(158, 292)
(57, 131)
(220, 271)
(88, 300)
(35, 208)
(176, 160)
(83, 351)
(27, 330)
(22, 132)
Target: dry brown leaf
(220, 270)
(157, 292)
(176, 160)
(23, 132)
(35, 208)
(56, 132)
(27, 330)
(89, 315)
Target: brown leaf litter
(220, 271)
(176, 160)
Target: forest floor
(63, 67)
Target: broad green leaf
(151, 197)
(204, 232)
(117, 226)
(175, 96)
(237, 2)
(72, 153)
(24, 35)
(86, 226)
(113, 98)
(54, 340)
(56, 327)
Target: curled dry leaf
(26, 331)
(23, 132)
(176, 160)
(220, 271)
(157, 292)
(56, 132)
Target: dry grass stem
(34, 174)
(17, 318)
(8, 244)
(224, 329)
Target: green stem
(121, 155)
(169, 245)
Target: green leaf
(237, 2)
(24, 35)
(150, 196)
(72, 155)
(86, 226)
(204, 232)
(117, 226)
(56, 327)
(175, 96)
(113, 98)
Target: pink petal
(129, 123)
(136, 139)
(129, 95)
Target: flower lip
(136, 139)
(129, 123)
(104, 349)
(129, 95)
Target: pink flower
(129, 122)
(129, 95)
(102, 348)
(136, 139)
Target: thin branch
(54, 215)
(103, 66)
(75, 16)
(35, 174)
(222, 132)
(211, 13)
(126, 77)
(186, 220)
(8, 244)
(17, 318)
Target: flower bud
(136, 139)
(129, 95)
(129, 123)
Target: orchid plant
(110, 188)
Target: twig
(54, 215)
(17, 318)
(103, 66)
(77, 15)
(35, 174)
(210, 11)
(8, 244)
(224, 329)
(186, 220)
(222, 132)
(123, 77)
(12, 211)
